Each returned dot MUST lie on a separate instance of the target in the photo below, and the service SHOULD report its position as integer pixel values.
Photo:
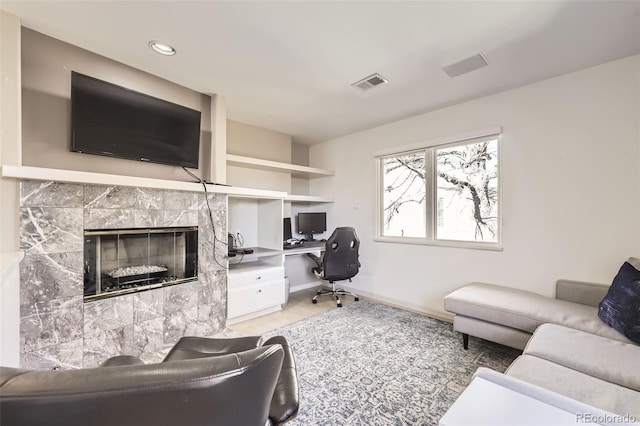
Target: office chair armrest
(316, 259)
(317, 270)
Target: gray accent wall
(46, 108)
(257, 142)
(57, 328)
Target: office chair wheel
(314, 301)
(339, 305)
(356, 299)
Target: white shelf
(259, 252)
(41, 173)
(294, 169)
(308, 199)
(249, 264)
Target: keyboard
(292, 246)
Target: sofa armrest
(8, 373)
(202, 347)
(121, 360)
(581, 292)
(286, 398)
(233, 389)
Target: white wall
(570, 188)
(10, 153)
(10, 126)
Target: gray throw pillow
(621, 306)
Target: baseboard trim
(439, 315)
(253, 315)
(305, 286)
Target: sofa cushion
(524, 310)
(606, 359)
(574, 384)
(621, 306)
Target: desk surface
(308, 247)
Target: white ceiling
(288, 65)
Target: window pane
(403, 189)
(467, 192)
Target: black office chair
(339, 262)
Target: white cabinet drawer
(255, 297)
(253, 276)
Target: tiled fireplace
(122, 261)
(60, 327)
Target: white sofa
(510, 316)
(592, 369)
(567, 348)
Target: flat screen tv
(117, 122)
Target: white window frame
(430, 148)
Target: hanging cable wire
(213, 227)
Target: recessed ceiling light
(162, 48)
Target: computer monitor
(311, 223)
(286, 226)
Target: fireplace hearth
(121, 261)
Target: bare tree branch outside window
(404, 195)
(467, 181)
(466, 189)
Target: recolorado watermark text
(605, 418)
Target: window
(404, 195)
(443, 194)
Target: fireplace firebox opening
(121, 261)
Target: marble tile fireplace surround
(58, 328)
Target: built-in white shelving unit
(255, 281)
(295, 170)
(308, 199)
(43, 173)
(276, 166)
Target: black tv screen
(117, 122)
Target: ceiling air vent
(369, 82)
(466, 65)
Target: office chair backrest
(340, 260)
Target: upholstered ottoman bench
(509, 316)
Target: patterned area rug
(372, 364)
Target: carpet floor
(372, 364)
